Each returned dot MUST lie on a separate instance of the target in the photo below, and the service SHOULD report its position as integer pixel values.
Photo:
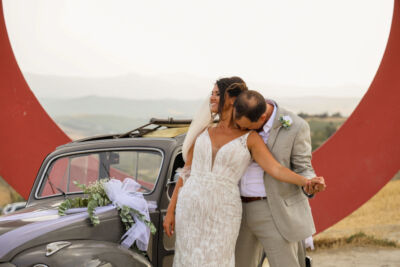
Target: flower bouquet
(131, 206)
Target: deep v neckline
(216, 153)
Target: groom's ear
(263, 117)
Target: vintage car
(149, 154)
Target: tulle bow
(126, 194)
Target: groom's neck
(268, 112)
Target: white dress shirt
(252, 182)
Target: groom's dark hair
(250, 104)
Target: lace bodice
(228, 161)
(209, 209)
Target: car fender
(88, 253)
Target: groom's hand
(316, 185)
(169, 223)
(319, 185)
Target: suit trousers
(257, 232)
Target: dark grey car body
(99, 246)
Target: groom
(276, 215)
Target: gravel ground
(354, 257)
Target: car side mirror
(113, 158)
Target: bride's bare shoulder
(253, 139)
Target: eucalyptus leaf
(95, 196)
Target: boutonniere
(286, 121)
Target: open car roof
(168, 128)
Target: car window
(61, 174)
(142, 166)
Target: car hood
(35, 225)
(26, 216)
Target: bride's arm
(169, 220)
(266, 160)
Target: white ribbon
(25, 233)
(34, 215)
(44, 221)
(126, 194)
(39, 215)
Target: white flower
(286, 121)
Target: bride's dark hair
(232, 85)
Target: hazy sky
(307, 43)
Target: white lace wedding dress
(209, 209)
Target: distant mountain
(173, 86)
(129, 95)
(79, 126)
(319, 104)
(85, 106)
(95, 105)
(132, 86)
(93, 115)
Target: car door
(167, 244)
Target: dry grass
(5, 196)
(377, 222)
(8, 194)
(358, 239)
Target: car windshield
(141, 165)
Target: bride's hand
(169, 223)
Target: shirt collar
(268, 125)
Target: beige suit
(284, 219)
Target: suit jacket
(288, 203)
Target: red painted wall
(27, 133)
(364, 154)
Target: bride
(208, 207)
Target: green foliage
(322, 128)
(97, 197)
(143, 219)
(337, 115)
(127, 219)
(330, 129)
(303, 115)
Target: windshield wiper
(62, 192)
(52, 186)
(50, 182)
